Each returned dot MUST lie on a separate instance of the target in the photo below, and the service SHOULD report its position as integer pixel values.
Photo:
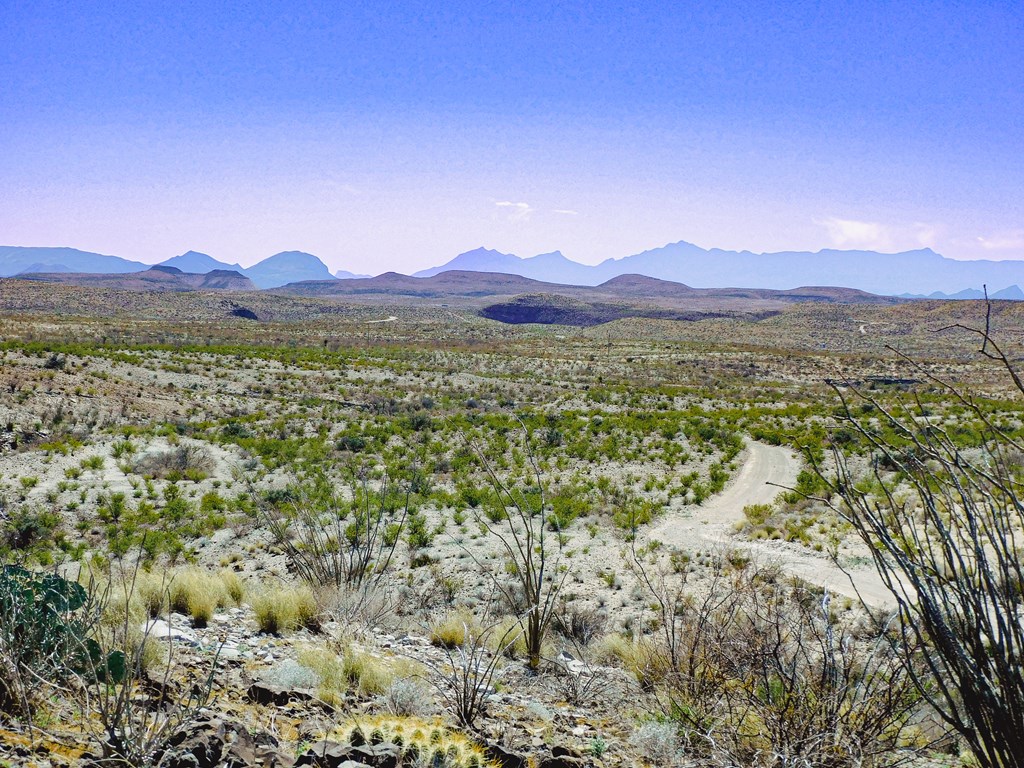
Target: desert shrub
(94, 463)
(331, 542)
(47, 627)
(656, 742)
(581, 624)
(947, 550)
(757, 669)
(119, 711)
(25, 529)
(567, 505)
(187, 460)
(292, 674)
(405, 697)
(418, 533)
(122, 449)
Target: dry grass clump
(455, 629)
(509, 639)
(233, 585)
(285, 609)
(151, 591)
(370, 675)
(197, 593)
(332, 681)
(645, 659)
(356, 670)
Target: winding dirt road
(714, 522)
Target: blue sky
(393, 136)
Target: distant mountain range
(916, 274)
(921, 272)
(1011, 293)
(277, 270)
(14, 260)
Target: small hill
(37, 267)
(548, 309)
(447, 284)
(158, 278)
(641, 285)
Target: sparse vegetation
(472, 521)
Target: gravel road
(713, 523)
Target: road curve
(764, 468)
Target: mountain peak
(197, 263)
(288, 267)
(485, 251)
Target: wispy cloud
(566, 212)
(879, 236)
(516, 211)
(850, 233)
(1003, 241)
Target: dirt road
(713, 523)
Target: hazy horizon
(261, 257)
(395, 142)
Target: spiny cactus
(427, 741)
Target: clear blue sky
(393, 136)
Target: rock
(559, 751)
(216, 743)
(267, 694)
(161, 630)
(503, 757)
(199, 746)
(331, 754)
(563, 761)
(564, 757)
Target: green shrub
(46, 628)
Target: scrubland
(467, 542)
